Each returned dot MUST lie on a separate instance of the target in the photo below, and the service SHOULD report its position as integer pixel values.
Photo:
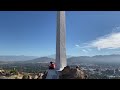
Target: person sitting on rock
(52, 65)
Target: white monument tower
(60, 46)
(61, 41)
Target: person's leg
(50, 68)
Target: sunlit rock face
(72, 73)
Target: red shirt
(52, 66)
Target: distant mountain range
(25, 58)
(54, 56)
(95, 59)
(40, 60)
(84, 59)
(17, 58)
(70, 60)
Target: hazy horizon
(67, 55)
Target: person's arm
(54, 65)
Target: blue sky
(33, 33)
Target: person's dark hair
(51, 62)
(77, 66)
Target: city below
(36, 67)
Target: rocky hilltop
(72, 73)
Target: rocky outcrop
(44, 75)
(69, 73)
(32, 76)
(72, 73)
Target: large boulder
(72, 73)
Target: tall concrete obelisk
(61, 41)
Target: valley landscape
(100, 66)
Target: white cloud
(77, 45)
(111, 41)
(84, 50)
(89, 49)
(116, 29)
